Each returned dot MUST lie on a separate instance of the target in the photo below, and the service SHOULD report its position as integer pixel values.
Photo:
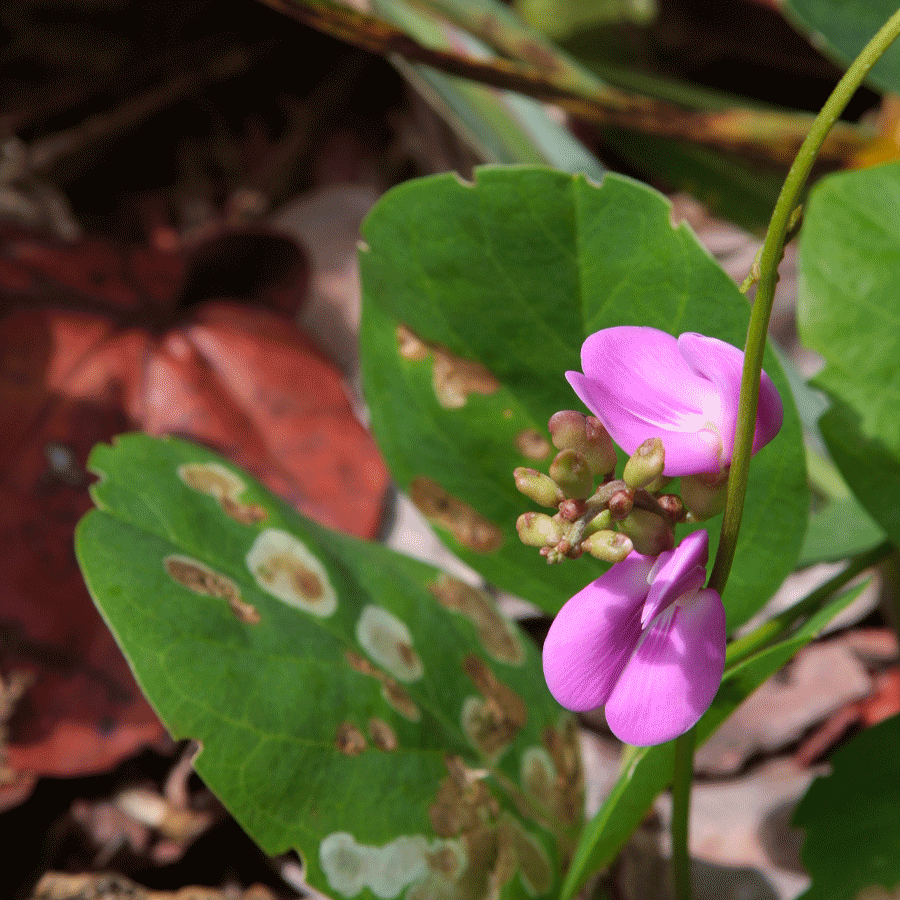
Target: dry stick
(774, 135)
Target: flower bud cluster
(610, 520)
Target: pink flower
(646, 640)
(641, 383)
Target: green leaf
(476, 300)
(648, 770)
(849, 312)
(840, 529)
(358, 706)
(850, 818)
(871, 470)
(844, 27)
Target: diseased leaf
(477, 299)
(361, 707)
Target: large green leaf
(844, 27)
(849, 312)
(850, 818)
(648, 770)
(358, 706)
(477, 299)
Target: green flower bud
(599, 450)
(567, 429)
(651, 534)
(571, 430)
(704, 495)
(539, 530)
(609, 546)
(645, 465)
(538, 487)
(601, 522)
(571, 472)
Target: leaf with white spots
(374, 714)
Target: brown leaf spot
(463, 802)
(202, 580)
(452, 377)
(245, 514)
(410, 345)
(534, 866)
(492, 723)
(284, 567)
(382, 735)
(349, 739)
(497, 635)
(533, 444)
(469, 527)
(464, 808)
(455, 378)
(400, 700)
(563, 749)
(396, 696)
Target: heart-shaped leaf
(477, 298)
(361, 707)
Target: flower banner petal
(722, 364)
(638, 384)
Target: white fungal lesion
(389, 643)
(387, 870)
(284, 567)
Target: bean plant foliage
(381, 717)
(320, 672)
(478, 297)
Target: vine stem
(769, 259)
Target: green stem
(681, 810)
(769, 258)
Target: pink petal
(674, 673)
(594, 635)
(677, 572)
(640, 386)
(722, 365)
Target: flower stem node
(645, 465)
(570, 430)
(610, 546)
(704, 495)
(651, 534)
(538, 487)
(539, 530)
(572, 473)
